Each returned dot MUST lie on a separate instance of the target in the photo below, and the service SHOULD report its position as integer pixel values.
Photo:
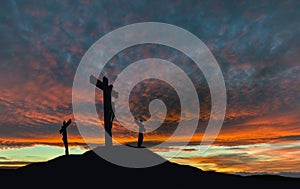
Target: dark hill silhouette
(90, 170)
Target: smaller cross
(63, 131)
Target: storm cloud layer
(255, 43)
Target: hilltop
(90, 170)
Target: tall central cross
(108, 111)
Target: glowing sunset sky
(257, 46)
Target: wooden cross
(63, 131)
(108, 111)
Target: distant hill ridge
(89, 169)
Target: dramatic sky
(256, 43)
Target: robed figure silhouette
(141, 132)
(63, 131)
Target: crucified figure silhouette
(141, 134)
(63, 131)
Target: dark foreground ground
(90, 170)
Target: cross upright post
(107, 106)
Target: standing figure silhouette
(141, 134)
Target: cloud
(14, 163)
(254, 158)
(256, 46)
(21, 143)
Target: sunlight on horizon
(13, 158)
(264, 158)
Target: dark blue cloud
(255, 43)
